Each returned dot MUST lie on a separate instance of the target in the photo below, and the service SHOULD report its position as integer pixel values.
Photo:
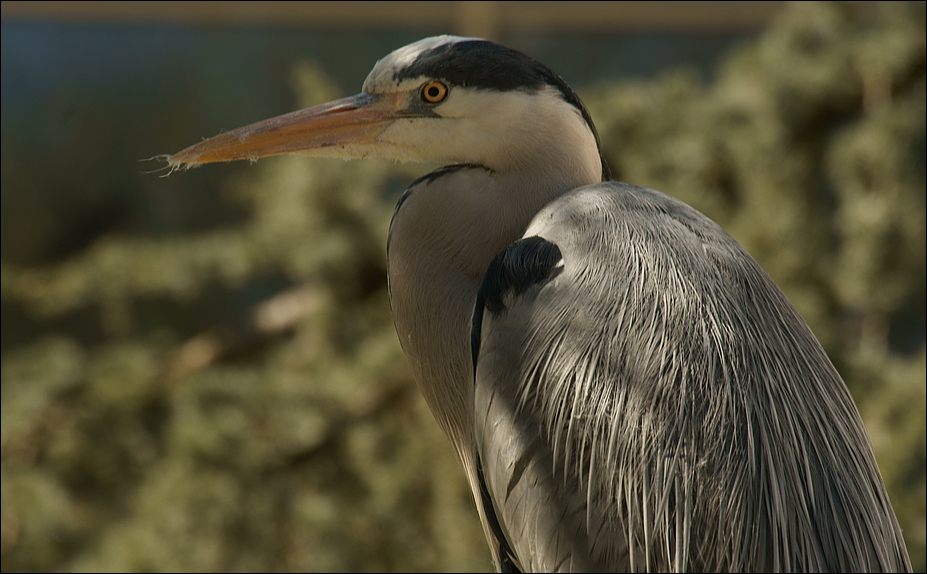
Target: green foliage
(292, 437)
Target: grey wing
(646, 398)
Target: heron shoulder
(631, 319)
(613, 206)
(617, 230)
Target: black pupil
(433, 92)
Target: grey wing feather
(651, 401)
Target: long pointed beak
(346, 122)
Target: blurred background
(199, 372)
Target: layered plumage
(624, 386)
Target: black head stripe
(480, 64)
(485, 65)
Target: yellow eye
(434, 92)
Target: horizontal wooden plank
(480, 18)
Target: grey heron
(624, 386)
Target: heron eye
(434, 92)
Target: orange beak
(342, 123)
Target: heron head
(442, 99)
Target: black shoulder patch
(524, 263)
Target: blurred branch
(268, 319)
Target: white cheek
(424, 139)
(501, 131)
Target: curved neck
(444, 234)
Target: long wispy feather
(686, 402)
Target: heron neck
(443, 236)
